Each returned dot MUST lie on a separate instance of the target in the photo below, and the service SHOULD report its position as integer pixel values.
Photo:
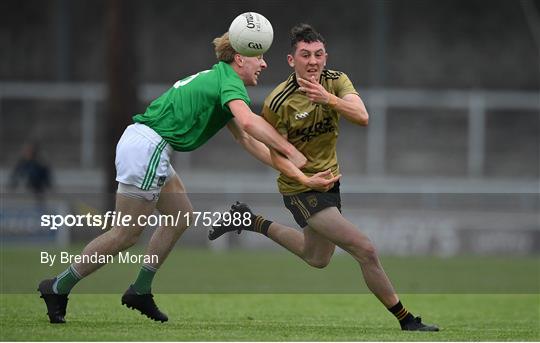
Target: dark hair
(305, 33)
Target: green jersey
(195, 108)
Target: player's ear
(290, 60)
(239, 59)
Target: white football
(251, 34)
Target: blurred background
(449, 165)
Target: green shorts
(304, 205)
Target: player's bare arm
(253, 146)
(322, 181)
(259, 129)
(350, 106)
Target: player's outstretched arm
(253, 146)
(321, 181)
(350, 106)
(259, 129)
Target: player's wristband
(332, 101)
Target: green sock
(66, 281)
(143, 284)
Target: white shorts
(143, 158)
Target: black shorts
(304, 205)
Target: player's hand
(322, 181)
(314, 90)
(297, 159)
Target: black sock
(401, 313)
(260, 225)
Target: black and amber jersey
(312, 128)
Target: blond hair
(223, 48)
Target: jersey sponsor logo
(302, 115)
(321, 127)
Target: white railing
(474, 102)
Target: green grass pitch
(274, 317)
(269, 296)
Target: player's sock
(143, 284)
(260, 224)
(401, 313)
(248, 221)
(66, 281)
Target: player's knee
(363, 250)
(318, 262)
(368, 254)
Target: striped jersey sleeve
(273, 103)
